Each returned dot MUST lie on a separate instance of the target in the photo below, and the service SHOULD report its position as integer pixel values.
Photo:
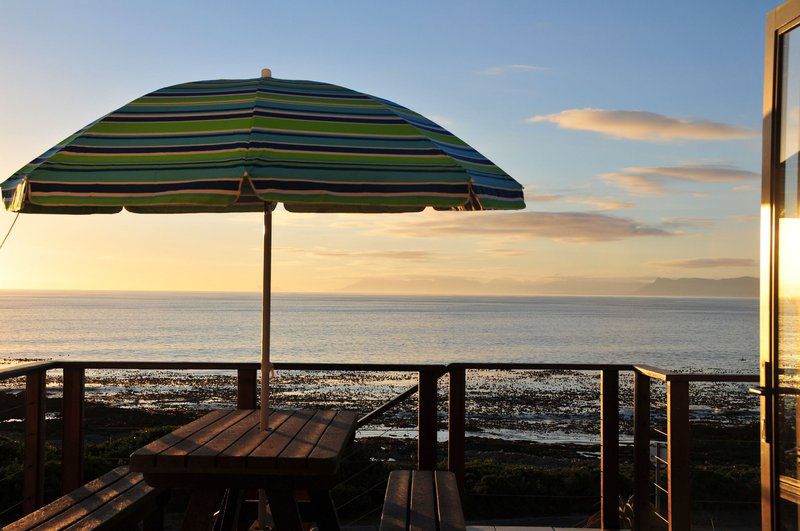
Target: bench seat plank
(103, 516)
(449, 513)
(422, 501)
(117, 497)
(68, 500)
(395, 507)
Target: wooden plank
(116, 508)
(448, 502)
(72, 430)
(205, 456)
(422, 515)
(92, 503)
(33, 472)
(144, 458)
(246, 388)
(326, 454)
(641, 451)
(234, 457)
(175, 455)
(296, 453)
(456, 423)
(265, 454)
(397, 502)
(678, 471)
(609, 449)
(426, 420)
(65, 502)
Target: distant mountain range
(701, 287)
(663, 287)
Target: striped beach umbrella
(247, 144)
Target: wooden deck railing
(677, 433)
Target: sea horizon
(23, 291)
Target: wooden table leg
(283, 507)
(324, 510)
(203, 503)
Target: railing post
(246, 388)
(33, 475)
(72, 429)
(456, 420)
(609, 449)
(426, 418)
(641, 451)
(678, 474)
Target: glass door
(780, 274)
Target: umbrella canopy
(231, 145)
(247, 144)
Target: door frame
(779, 21)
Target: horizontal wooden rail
(670, 376)
(213, 365)
(511, 366)
(24, 369)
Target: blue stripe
(90, 188)
(354, 188)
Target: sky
(634, 127)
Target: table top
(230, 441)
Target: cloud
(535, 197)
(745, 218)
(411, 255)
(678, 222)
(501, 70)
(601, 203)
(635, 184)
(707, 263)
(745, 188)
(649, 180)
(699, 173)
(557, 226)
(506, 251)
(642, 125)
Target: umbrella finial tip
(266, 72)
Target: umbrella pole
(266, 296)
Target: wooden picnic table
(223, 453)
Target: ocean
(672, 333)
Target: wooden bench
(422, 500)
(118, 500)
